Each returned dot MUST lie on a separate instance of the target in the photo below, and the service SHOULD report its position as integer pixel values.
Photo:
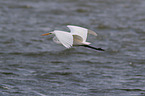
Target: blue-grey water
(32, 65)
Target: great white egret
(76, 37)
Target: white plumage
(65, 38)
(76, 36)
(79, 31)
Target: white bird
(76, 37)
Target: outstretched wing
(64, 37)
(92, 32)
(82, 32)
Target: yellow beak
(46, 34)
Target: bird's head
(46, 34)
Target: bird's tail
(88, 46)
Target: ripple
(32, 65)
(61, 73)
(8, 73)
(132, 89)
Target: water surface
(32, 65)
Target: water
(32, 65)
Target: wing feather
(92, 32)
(82, 32)
(64, 37)
(75, 30)
(56, 40)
